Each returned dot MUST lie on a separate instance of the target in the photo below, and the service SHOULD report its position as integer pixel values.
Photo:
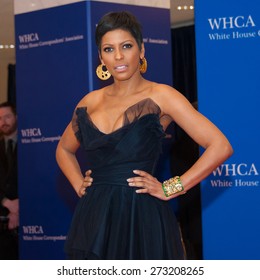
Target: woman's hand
(87, 182)
(147, 184)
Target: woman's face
(121, 54)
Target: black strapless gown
(112, 221)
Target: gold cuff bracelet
(172, 186)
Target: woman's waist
(118, 174)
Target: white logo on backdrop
(236, 175)
(34, 135)
(233, 27)
(36, 233)
(32, 40)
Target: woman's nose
(118, 55)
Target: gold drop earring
(102, 72)
(143, 65)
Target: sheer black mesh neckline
(132, 113)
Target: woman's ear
(142, 53)
(100, 58)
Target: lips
(120, 68)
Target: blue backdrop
(227, 42)
(56, 60)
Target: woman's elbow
(227, 150)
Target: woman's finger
(88, 172)
(139, 181)
(142, 173)
(87, 179)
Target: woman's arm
(203, 132)
(67, 161)
(200, 129)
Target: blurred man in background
(9, 202)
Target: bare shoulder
(164, 91)
(168, 97)
(90, 98)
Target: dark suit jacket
(8, 178)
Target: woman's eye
(108, 49)
(127, 46)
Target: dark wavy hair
(119, 20)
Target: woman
(124, 213)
